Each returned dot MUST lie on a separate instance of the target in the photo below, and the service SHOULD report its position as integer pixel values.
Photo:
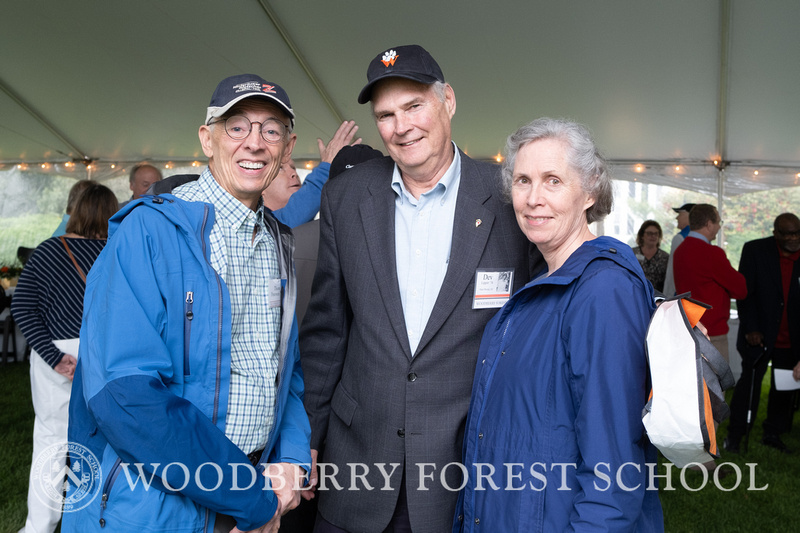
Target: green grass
(16, 444)
(709, 509)
(25, 230)
(742, 509)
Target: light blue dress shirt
(423, 237)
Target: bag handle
(69, 253)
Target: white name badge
(492, 288)
(274, 296)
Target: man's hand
(309, 493)
(703, 330)
(285, 479)
(66, 367)
(343, 137)
(795, 375)
(754, 338)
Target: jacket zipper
(112, 476)
(187, 331)
(215, 411)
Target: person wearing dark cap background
(295, 204)
(391, 335)
(306, 236)
(683, 231)
(188, 352)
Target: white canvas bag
(688, 375)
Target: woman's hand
(66, 367)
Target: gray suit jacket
(306, 244)
(369, 401)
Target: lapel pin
(478, 222)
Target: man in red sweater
(704, 270)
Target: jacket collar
(607, 248)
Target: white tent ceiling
(660, 83)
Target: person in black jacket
(769, 330)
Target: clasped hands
(284, 478)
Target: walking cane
(746, 440)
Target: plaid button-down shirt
(247, 264)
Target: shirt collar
(226, 207)
(700, 236)
(444, 184)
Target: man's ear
(450, 100)
(287, 152)
(205, 140)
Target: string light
(195, 163)
(639, 168)
(755, 173)
(499, 158)
(309, 165)
(677, 168)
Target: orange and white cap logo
(389, 58)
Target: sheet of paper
(784, 380)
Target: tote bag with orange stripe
(688, 376)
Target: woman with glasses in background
(652, 258)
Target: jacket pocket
(107, 486)
(343, 405)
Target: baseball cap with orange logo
(408, 61)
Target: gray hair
(582, 156)
(438, 88)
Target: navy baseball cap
(236, 88)
(408, 61)
(350, 156)
(684, 207)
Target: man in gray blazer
(415, 253)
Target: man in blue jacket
(188, 368)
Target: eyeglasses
(652, 233)
(238, 127)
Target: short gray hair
(582, 155)
(438, 88)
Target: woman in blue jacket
(554, 439)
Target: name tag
(492, 288)
(274, 296)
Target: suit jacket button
(412, 377)
(477, 520)
(401, 433)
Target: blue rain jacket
(152, 382)
(556, 408)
